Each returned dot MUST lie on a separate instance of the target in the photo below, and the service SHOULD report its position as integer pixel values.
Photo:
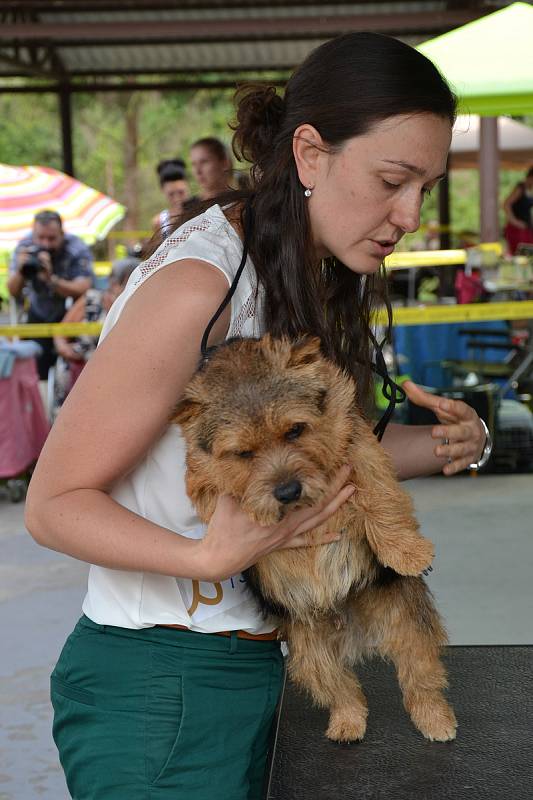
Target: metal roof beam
(91, 6)
(246, 72)
(95, 86)
(125, 32)
(30, 62)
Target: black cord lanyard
(248, 224)
(391, 391)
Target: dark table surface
(491, 690)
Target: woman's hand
(66, 351)
(461, 434)
(233, 542)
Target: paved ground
(40, 596)
(484, 540)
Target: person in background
(211, 167)
(93, 306)
(52, 266)
(173, 182)
(518, 207)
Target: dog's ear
(185, 411)
(305, 350)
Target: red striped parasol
(26, 190)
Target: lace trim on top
(158, 258)
(247, 312)
(161, 254)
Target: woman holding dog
(168, 685)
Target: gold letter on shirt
(198, 598)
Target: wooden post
(444, 211)
(488, 179)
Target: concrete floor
(482, 529)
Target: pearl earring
(307, 192)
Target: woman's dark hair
(343, 89)
(172, 169)
(215, 146)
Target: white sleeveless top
(155, 489)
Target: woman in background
(211, 167)
(173, 182)
(518, 207)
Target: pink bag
(468, 288)
(23, 423)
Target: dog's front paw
(409, 558)
(347, 724)
(435, 719)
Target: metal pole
(65, 108)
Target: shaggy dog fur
(270, 422)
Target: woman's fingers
(459, 444)
(326, 511)
(420, 397)
(303, 515)
(446, 409)
(450, 433)
(456, 465)
(460, 430)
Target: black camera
(32, 264)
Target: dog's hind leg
(316, 664)
(402, 620)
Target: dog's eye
(244, 453)
(295, 431)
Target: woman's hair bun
(171, 169)
(260, 111)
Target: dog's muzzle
(288, 492)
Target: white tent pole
(488, 179)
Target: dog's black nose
(288, 492)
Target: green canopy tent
(489, 64)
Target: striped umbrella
(26, 190)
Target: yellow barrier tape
(130, 234)
(34, 330)
(425, 258)
(472, 312)
(416, 315)
(100, 268)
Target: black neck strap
(390, 390)
(247, 224)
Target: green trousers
(164, 713)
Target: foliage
(30, 130)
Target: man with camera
(52, 265)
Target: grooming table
(491, 690)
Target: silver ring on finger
(445, 441)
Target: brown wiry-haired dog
(271, 422)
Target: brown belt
(262, 637)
